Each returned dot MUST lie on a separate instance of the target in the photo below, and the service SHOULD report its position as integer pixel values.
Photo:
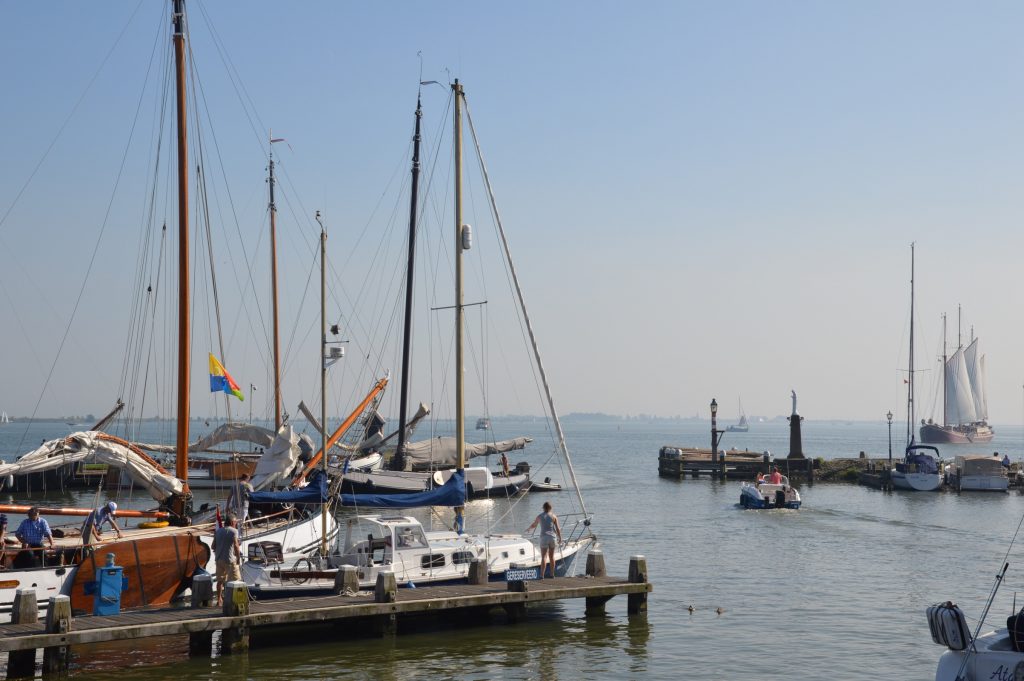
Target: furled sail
(975, 374)
(959, 397)
(97, 447)
(439, 452)
(452, 493)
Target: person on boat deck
(549, 529)
(91, 528)
(504, 464)
(760, 478)
(228, 554)
(1006, 460)
(3, 538)
(31, 533)
(776, 477)
(238, 499)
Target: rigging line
(197, 85)
(522, 304)
(88, 272)
(70, 115)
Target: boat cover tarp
(451, 493)
(87, 446)
(439, 452)
(924, 463)
(279, 460)
(313, 493)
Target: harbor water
(836, 590)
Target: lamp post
(714, 436)
(889, 417)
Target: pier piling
(346, 581)
(201, 642)
(386, 591)
(637, 603)
(58, 621)
(235, 639)
(478, 571)
(25, 610)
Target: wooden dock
(733, 464)
(377, 612)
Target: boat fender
(1015, 628)
(948, 626)
(154, 524)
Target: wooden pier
(733, 464)
(376, 613)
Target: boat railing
(579, 527)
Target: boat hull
(932, 433)
(916, 482)
(756, 497)
(994, 658)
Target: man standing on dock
(228, 554)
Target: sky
(703, 199)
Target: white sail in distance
(959, 397)
(976, 375)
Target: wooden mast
(181, 443)
(399, 461)
(273, 289)
(460, 417)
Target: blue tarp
(451, 493)
(313, 493)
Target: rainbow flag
(221, 381)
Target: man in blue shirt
(94, 521)
(31, 533)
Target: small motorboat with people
(773, 491)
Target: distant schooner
(965, 404)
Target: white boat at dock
(977, 472)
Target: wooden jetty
(734, 464)
(377, 613)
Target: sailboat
(743, 426)
(4, 418)
(398, 543)
(964, 401)
(919, 470)
(159, 560)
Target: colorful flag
(221, 381)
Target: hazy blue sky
(704, 199)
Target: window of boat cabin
(462, 557)
(411, 537)
(432, 560)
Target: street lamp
(889, 417)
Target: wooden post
(385, 591)
(346, 580)
(478, 571)
(235, 639)
(595, 564)
(58, 621)
(201, 642)
(637, 603)
(810, 471)
(516, 612)
(25, 610)
(721, 465)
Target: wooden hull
(932, 433)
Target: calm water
(836, 590)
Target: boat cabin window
(462, 557)
(432, 560)
(410, 537)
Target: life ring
(154, 524)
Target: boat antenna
(399, 460)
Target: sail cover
(452, 493)
(92, 447)
(976, 376)
(313, 493)
(439, 452)
(959, 397)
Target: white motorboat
(919, 470)
(399, 544)
(764, 494)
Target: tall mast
(181, 451)
(323, 376)
(910, 371)
(399, 462)
(460, 397)
(959, 329)
(944, 386)
(273, 292)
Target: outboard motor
(780, 498)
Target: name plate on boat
(522, 574)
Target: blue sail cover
(451, 493)
(313, 493)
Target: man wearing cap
(94, 521)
